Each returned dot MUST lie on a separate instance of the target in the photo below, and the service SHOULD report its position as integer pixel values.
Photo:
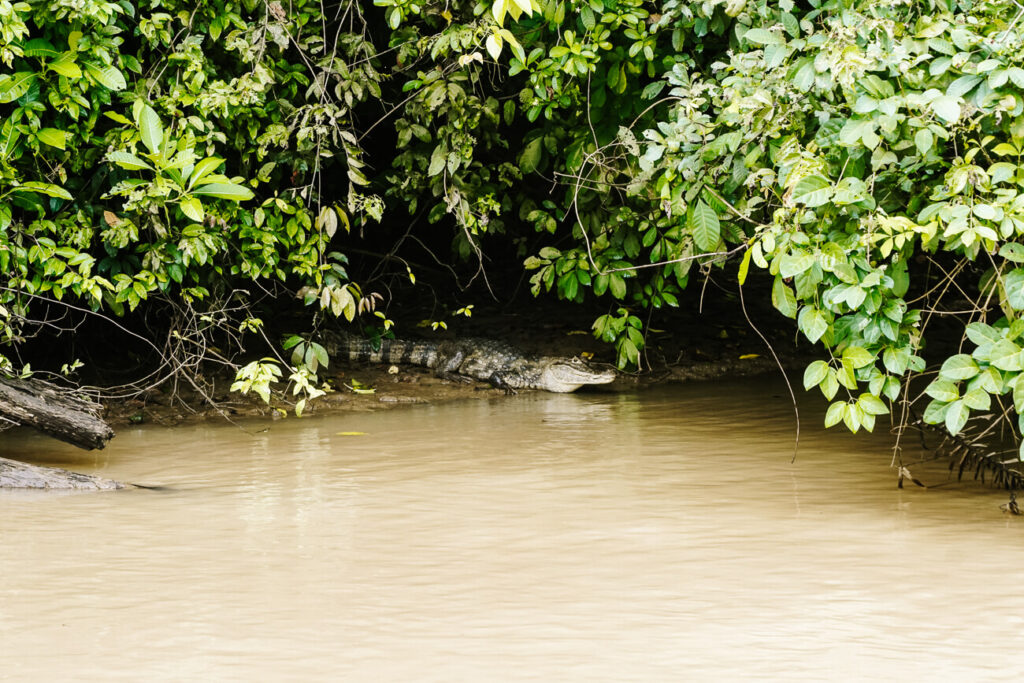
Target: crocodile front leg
(498, 381)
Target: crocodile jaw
(564, 377)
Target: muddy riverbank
(694, 347)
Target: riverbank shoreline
(695, 347)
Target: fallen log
(19, 475)
(54, 412)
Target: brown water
(654, 536)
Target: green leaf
(14, 86)
(236, 193)
(65, 66)
(942, 390)
(127, 160)
(946, 108)
(812, 191)
(935, 412)
(790, 23)
(320, 353)
(617, 285)
(924, 140)
(857, 356)
(530, 157)
(896, 360)
(1005, 355)
(872, 405)
(783, 298)
(151, 129)
(107, 76)
(43, 188)
(791, 265)
(956, 417)
(978, 399)
(52, 137)
(704, 225)
(980, 333)
(829, 386)
(959, 367)
(1012, 251)
(40, 47)
(853, 417)
(815, 373)
(812, 323)
(1013, 282)
(760, 36)
(493, 45)
(835, 414)
(438, 160)
(203, 169)
(193, 208)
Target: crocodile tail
(392, 351)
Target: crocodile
(488, 360)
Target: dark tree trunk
(54, 412)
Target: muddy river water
(653, 536)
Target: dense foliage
(866, 155)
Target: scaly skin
(487, 360)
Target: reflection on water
(654, 536)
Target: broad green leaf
(924, 140)
(812, 323)
(815, 373)
(1005, 355)
(959, 367)
(151, 130)
(812, 191)
(978, 399)
(114, 116)
(857, 356)
(956, 417)
(783, 298)
(896, 359)
(791, 265)
(529, 158)
(193, 208)
(52, 137)
(128, 161)
(943, 390)
(946, 108)
(1012, 251)
(43, 188)
(493, 45)
(1013, 282)
(320, 353)
(829, 386)
(13, 86)
(203, 169)
(760, 36)
(853, 417)
(236, 193)
(107, 76)
(872, 405)
(935, 412)
(963, 85)
(65, 66)
(835, 414)
(438, 160)
(704, 225)
(980, 333)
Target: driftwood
(19, 475)
(54, 412)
